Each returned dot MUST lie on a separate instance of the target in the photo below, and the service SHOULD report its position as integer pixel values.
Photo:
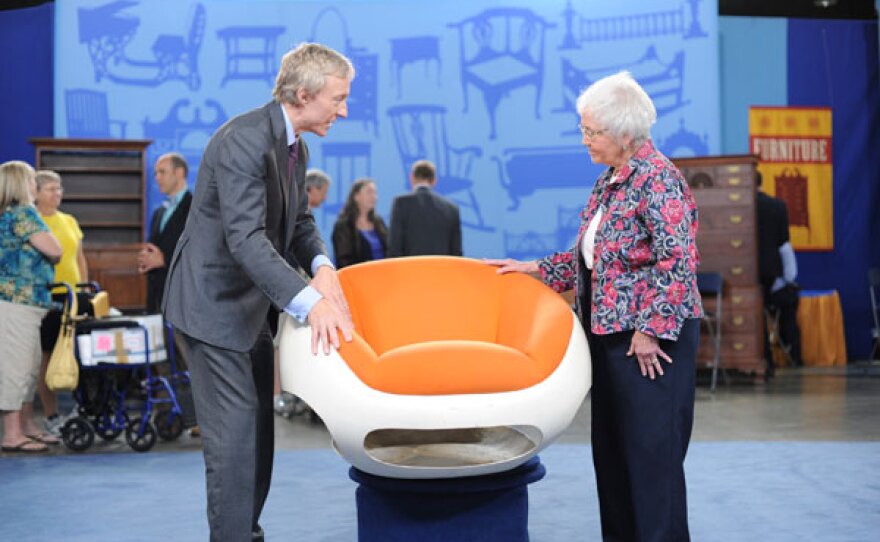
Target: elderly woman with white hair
(633, 268)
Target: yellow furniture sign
(794, 149)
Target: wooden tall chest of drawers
(724, 188)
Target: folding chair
(711, 284)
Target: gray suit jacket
(424, 223)
(237, 254)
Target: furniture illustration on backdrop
(185, 130)
(88, 115)
(420, 133)
(413, 49)
(663, 82)
(250, 52)
(724, 189)
(107, 33)
(684, 143)
(343, 162)
(508, 374)
(363, 102)
(522, 171)
(104, 184)
(502, 49)
(580, 29)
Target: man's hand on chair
(330, 313)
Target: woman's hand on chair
(512, 266)
(648, 354)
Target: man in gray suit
(248, 229)
(423, 222)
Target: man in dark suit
(248, 229)
(423, 222)
(166, 226)
(777, 271)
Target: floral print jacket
(645, 253)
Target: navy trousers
(640, 434)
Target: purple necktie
(292, 163)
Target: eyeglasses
(590, 133)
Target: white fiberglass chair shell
(454, 370)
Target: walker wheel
(168, 425)
(106, 428)
(77, 434)
(140, 443)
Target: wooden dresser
(104, 189)
(724, 188)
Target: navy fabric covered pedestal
(491, 507)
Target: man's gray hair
(307, 67)
(316, 178)
(621, 106)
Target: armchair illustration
(502, 49)
(453, 370)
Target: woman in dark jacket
(360, 234)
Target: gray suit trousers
(233, 398)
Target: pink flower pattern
(645, 254)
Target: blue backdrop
(484, 90)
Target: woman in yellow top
(72, 269)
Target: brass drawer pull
(734, 181)
(736, 270)
(736, 243)
(737, 299)
(738, 320)
(738, 346)
(736, 219)
(733, 169)
(735, 196)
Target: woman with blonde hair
(27, 252)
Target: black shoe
(258, 535)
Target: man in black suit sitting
(165, 227)
(423, 222)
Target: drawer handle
(735, 196)
(734, 181)
(738, 346)
(733, 169)
(737, 299)
(736, 243)
(736, 270)
(736, 219)
(738, 320)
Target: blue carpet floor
(738, 491)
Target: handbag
(62, 372)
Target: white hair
(621, 106)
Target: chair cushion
(454, 367)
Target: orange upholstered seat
(428, 326)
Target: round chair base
(491, 507)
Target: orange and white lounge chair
(454, 370)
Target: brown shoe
(195, 432)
